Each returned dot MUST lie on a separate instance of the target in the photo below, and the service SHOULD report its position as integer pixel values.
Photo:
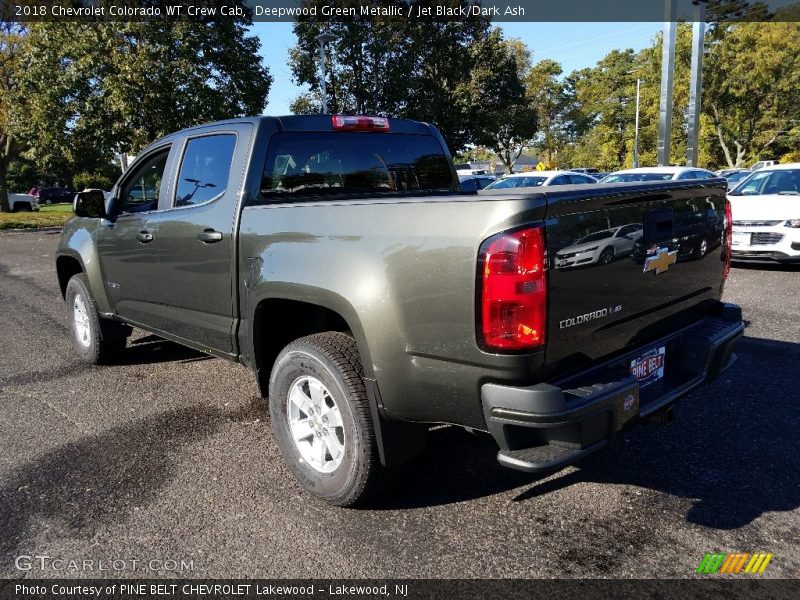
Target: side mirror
(90, 203)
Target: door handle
(209, 236)
(144, 237)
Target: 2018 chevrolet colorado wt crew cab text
(336, 257)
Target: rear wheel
(322, 421)
(96, 340)
(606, 256)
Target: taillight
(513, 294)
(727, 242)
(360, 123)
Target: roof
(668, 169)
(780, 167)
(541, 174)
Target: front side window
(205, 169)
(141, 190)
(335, 164)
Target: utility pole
(636, 129)
(696, 83)
(323, 39)
(667, 80)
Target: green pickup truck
(337, 258)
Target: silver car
(600, 247)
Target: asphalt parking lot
(169, 456)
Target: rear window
(333, 164)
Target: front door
(128, 241)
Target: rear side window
(205, 169)
(330, 164)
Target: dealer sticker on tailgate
(649, 367)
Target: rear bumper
(547, 426)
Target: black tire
(606, 256)
(105, 339)
(332, 359)
(22, 207)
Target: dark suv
(53, 195)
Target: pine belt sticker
(649, 367)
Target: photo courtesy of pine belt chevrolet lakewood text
(338, 258)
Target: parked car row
(765, 204)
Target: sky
(574, 45)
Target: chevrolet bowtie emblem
(660, 261)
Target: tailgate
(629, 263)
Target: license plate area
(741, 238)
(648, 368)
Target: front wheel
(95, 340)
(322, 421)
(606, 256)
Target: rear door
(197, 239)
(657, 283)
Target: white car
(657, 174)
(766, 215)
(539, 179)
(600, 247)
(18, 202)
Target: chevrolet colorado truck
(337, 258)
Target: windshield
(515, 182)
(627, 177)
(736, 177)
(785, 182)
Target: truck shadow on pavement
(734, 450)
(89, 484)
(151, 349)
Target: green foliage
(410, 68)
(103, 88)
(505, 120)
(85, 180)
(751, 83)
(12, 39)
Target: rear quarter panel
(403, 275)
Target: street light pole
(636, 129)
(323, 39)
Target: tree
(12, 37)
(107, 88)
(752, 75)
(402, 67)
(494, 95)
(546, 94)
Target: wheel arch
(277, 320)
(78, 249)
